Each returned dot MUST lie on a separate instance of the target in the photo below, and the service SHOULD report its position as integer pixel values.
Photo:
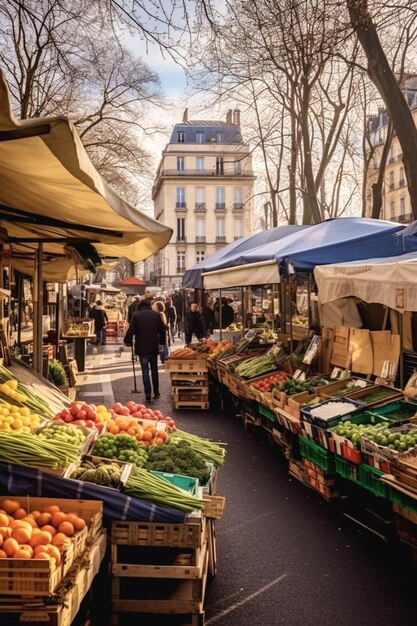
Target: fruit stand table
(80, 342)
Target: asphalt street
(285, 555)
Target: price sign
(251, 334)
(299, 375)
(276, 352)
(312, 350)
(336, 373)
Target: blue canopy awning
(225, 257)
(333, 241)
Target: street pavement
(286, 557)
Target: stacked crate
(159, 569)
(190, 382)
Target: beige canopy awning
(51, 192)
(262, 273)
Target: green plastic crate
(184, 482)
(399, 411)
(266, 412)
(402, 500)
(317, 455)
(363, 475)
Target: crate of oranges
(39, 540)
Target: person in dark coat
(194, 324)
(132, 308)
(228, 314)
(208, 314)
(99, 315)
(171, 313)
(149, 332)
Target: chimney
(185, 116)
(236, 117)
(229, 117)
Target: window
(238, 167)
(200, 230)
(392, 208)
(180, 164)
(401, 182)
(391, 180)
(181, 137)
(220, 198)
(238, 198)
(200, 195)
(180, 228)
(238, 228)
(199, 163)
(220, 229)
(199, 137)
(402, 206)
(199, 255)
(180, 261)
(219, 137)
(180, 198)
(219, 165)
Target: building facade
(396, 204)
(203, 190)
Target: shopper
(194, 324)
(150, 336)
(159, 307)
(228, 315)
(132, 308)
(99, 315)
(208, 315)
(171, 313)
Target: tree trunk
(377, 187)
(309, 182)
(292, 168)
(381, 74)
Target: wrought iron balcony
(200, 206)
(181, 239)
(220, 239)
(220, 206)
(237, 206)
(200, 239)
(181, 205)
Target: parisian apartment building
(396, 198)
(203, 190)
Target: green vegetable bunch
(121, 447)
(291, 387)
(102, 473)
(57, 373)
(63, 433)
(178, 458)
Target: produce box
(288, 421)
(328, 413)
(344, 387)
(90, 433)
(400, 411)
(381, 456)
(188, 535)
(36, 577)
(313, 452)
(376, 395)
(183, 482)
(315, 433)
(126, 469)
(195, 363)
(295, 403)
(259, 385)
(364, 475)
(346, 447)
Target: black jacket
(228, 315)
(171, 313)
(149, 331)
(195, 324)
(99, 315)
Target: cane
(135, 390)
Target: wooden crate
(15, 611)
(28, 577)
(182, 404)
(189, 377)
(194, 364)
(188, 535)
(214, 506)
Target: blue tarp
(23, 481)
(224, 258)
(333, 241)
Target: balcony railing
(220, 239)
(205, 172)
(182, 239)
(220, 206)
(237, 206)
(181, 205)
(200, 206)
(200, 239)
(180, 269)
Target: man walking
(150, 336)
(99, 315)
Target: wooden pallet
(156, 619)
(188, 377)
(203, 406)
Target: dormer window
(199, 137)
(181, 137)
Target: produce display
(63, 433)
(99, 471)
(178, 458)
(256, 366)
(146, 432)
(26, 395)
(327, 410)
(82, 414)
(266, 383)
(42, 534)
(57, 373)
(222, 348)
(9, 389)
(140, 411)
(121, 447)
(350, 388)
(182, 353)
(291, 386)
(208, 450)
(265, 334)
(378, 395)
(142, 484)
(353, 432)
(17, 419)
(30, 450)
(401, 441)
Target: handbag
(164, 354)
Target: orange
(60, 540)
(58, 518)
(10, 546)
(38, 549)
(20, 513)
(159, 441)
(21, 554)
(67, 528)
(19, 523)
(52, 508)
(114, 429)
(40, 539)
(30, 520)
(43, 518)
(22, 535)
(147, 436)
(5, 531)
(10, 506)
(3, 555)
(27, 547)
(54, 553)
(34, 514)
(4, 519)
(162, 434)
(49, 529)
(79, 524)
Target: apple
(90, 424)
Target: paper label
(336, 373)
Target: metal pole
(220, 314)
(401, 329)
(19, 279)
(38, 310)
(242, 310)
(135, 389)
(309, 299)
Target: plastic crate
(396, 411)
(402, 500)
(382, 457)
(339, 444)
(318, 455)
(268, 413)
(324, 422)
(347, 470)
(184, 482)
(363, 475)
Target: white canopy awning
(264, 273)
(51, 192)
(391, 281)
